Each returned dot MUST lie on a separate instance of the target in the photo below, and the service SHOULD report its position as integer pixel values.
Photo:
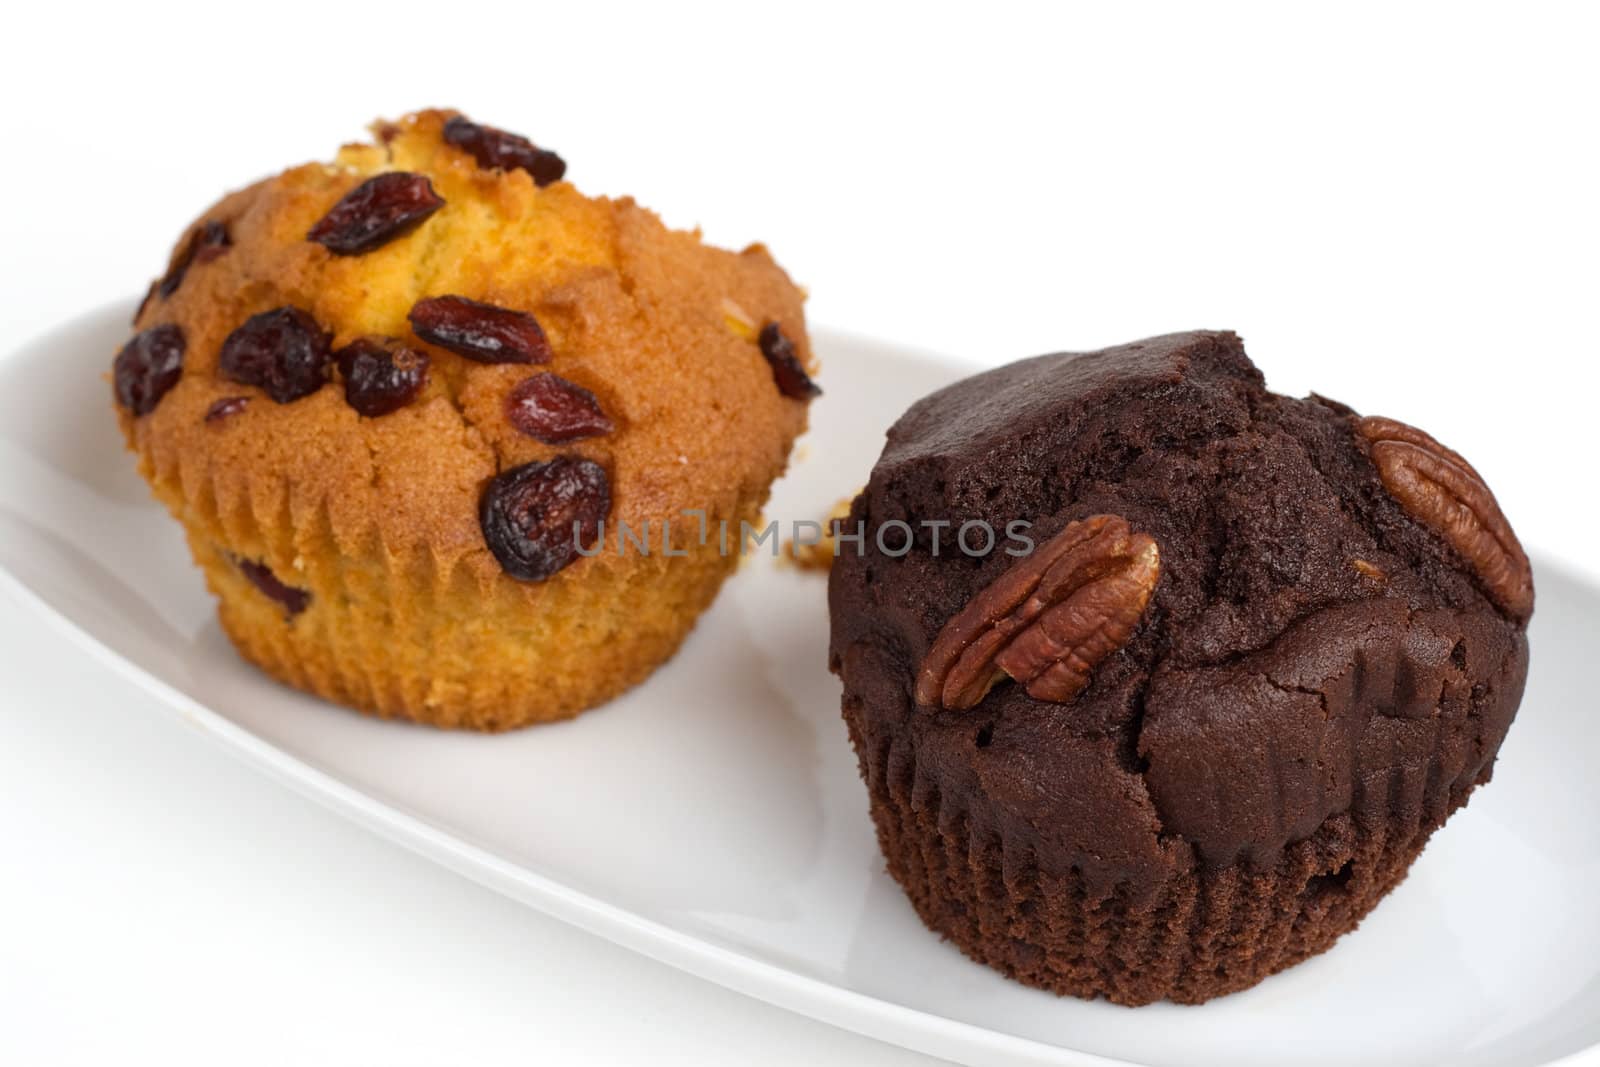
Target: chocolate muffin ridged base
(1198, 935)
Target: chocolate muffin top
(1282, 602)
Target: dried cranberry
(787, 370)
(507, 151)
(203, 245)
(294, 600)
(483, 332)
(376, 212)
(283, 351)
(228, 405)
(148, 366)
(554, 410)
(381, 376)
(537, 516)
(214, 240)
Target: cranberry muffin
(1229, 659)
(402, 403)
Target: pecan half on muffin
(403, 402)
(1228, 661)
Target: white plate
(713, 817)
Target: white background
(1396, 208)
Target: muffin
(448, 437)
(1216, 665)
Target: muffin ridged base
(411, 637)
(1199, 934)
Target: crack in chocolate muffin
(1324, 670)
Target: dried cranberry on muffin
(1190, 721)
(397, 400)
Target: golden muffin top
(381, 336)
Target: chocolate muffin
(404, 403)
(1160, 681)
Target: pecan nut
(1441, 490)
(1049, 620)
